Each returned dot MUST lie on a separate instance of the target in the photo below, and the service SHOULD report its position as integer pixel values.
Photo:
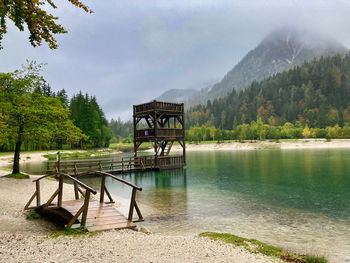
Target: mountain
(281, 50)
(316, 93)
(177, 95)
(183, 95)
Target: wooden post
(37, 183)
(58, 161)
(103, 183)
(60, 191)
(134, 119)
(132, 204)
(86, 208)
(76, 192)
(183, 136)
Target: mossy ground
(18, 176)
(32, 215)
(255, 246)
(80, 231)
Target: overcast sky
(130, 51)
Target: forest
(316, 94)
(34, 117)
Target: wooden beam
(30, 201)
(72, 221)
(51, 198)
(132, 204)
(109, 195)
(103, 187)
(38, 202)
(60, 191)
(86, 208)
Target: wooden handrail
(120, 180)
(41, 177)
(80, 183)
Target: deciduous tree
(31, 114)
(41, 25)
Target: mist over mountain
(183, 95)
(281, 50)
(177, 95)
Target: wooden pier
(114, 165)
(82, 211)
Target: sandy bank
(6, 159)
(25, 241)
(260, 145)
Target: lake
(297, 199)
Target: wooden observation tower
(161, 124)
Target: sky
(130, 51)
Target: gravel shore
(23, 240)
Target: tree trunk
(15, 169)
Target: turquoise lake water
(296, 199)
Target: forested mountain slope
(316, 93)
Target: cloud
(129, 52)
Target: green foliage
(255, 246)
(41, 25)
(32, 116)
(18, 176)
(316, 93)
(80, 231)
(79, 155)
(89, 117)
(32, 215)
(123, 131)
(259, 131)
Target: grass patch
(129, 147)
(32, 215)
(79, 155)
(255, 246)
(18, 176)
(80, 231)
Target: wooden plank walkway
(100, 216)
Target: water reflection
(297, 199)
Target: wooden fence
(125, 164)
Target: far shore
(7, 158)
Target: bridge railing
(59, 193)
(161, 132)
(159, 105)
(86, 195)
(90, 165)
(133, 203)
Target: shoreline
(27, 240)
(6, 158)
(265, 145)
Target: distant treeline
(316, 94)
(89, 117)
(123, 131)
(257, 130)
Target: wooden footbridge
(83, 211)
